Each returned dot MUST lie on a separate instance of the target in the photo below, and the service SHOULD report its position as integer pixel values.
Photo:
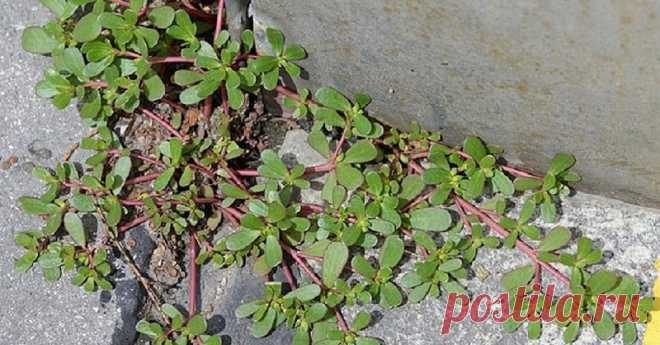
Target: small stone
(27, 167)
(172, 272)
(36, 149)
(8, 163)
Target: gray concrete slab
(33, 311)
(535, 77)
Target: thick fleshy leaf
(430, 219)
(518, 277)
(475, 148)
(162, 16)
(88, 28)
(332, 98)
(411, 186)
(242, 239)
(561, 162)
(36, 40)
(164, 179)
(503, 183)
(305, 293)
(602, 281)
(392, 251)
(360, 152)
(348, 176)
(361, 321)
(74, 226)
(556, 239)
(196, 325)
(273, 251)
(33, 205)
(390, 295)
(335, 258)
(83, 203)
(154, 88)
(604, 328)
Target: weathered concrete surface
(535, 77)
(33, 311)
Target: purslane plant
(389, 196)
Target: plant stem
(96, 84)
(416, 167)
(123, 3)
(247, 172)
(133, 223)
(323, 168)
(283, 90)
(303, 265)
(208, 107)
(340, 320)
(223, 99)
(151, 293)
(193, 279)
(461, 213)
(312, 208)
(418, 200)
(177, 106)
(163, 123)
(218, 20)
(520, 245)
(170, 59)
(286, 270)
(340, 143)
(193, 11)
(142, 179)
(144, 158)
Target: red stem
(313, 208)
(133, 223)
(223, 99)
(178, 107)
(128, 54)
(126, 4)
(234, 212)
(517, 172)
(288, 92)
(520, 245)
(463, 216)
(208, 106)
(163, 123)
(323, 168)
(247, 172)
(340, 320)
(96, 84)
(170, 59)
(340, 143)
(193, 280)
(416, 167)
(142, 179)
(218, 20)
(314, 169)
(288, 275)
(418, 200)
(303, 265)
(141, 157)
(193, 11)
(230, 216)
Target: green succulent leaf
(430, 219)
(335, 259)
